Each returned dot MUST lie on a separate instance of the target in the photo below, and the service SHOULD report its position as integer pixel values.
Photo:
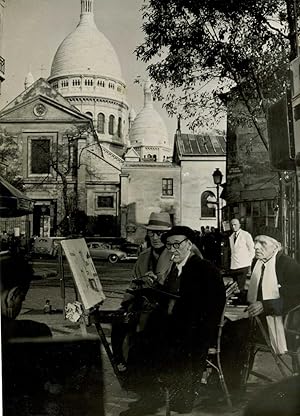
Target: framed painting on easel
(84, 272)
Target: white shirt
(242, 251)
(182, 263)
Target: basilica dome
(86, 51)
(148, 128)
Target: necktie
(259, 289)
(235, 237)
(172, 281)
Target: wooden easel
(93, 317)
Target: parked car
(131, 249)
(119, 243)
(46, 246)
(104, 251)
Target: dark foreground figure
(169, 353)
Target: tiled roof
(200, 144)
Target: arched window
(101, 123)
(88, 113)
(119, 127)
(111, 124)
(205, 210)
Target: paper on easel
(84, 272)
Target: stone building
(252, 186)
(39, 120)
(198, 156)
(127, 165)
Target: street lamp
(217, 177)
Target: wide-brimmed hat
(159, 221)
(179, 230)
(270, 232)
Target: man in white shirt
(242, 253)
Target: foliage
(199, 50)
(10, 154)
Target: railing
(2, 65)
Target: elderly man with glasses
(179, 331)
(188, 322)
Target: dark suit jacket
(197, 312)
(288, 275)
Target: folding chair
(214, 353)
(256, 347)
(292, 331)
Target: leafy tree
(10, 154)
(65, 160)
(199, 50)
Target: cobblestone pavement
(116, 398)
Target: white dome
(148, 128)
(86, 51)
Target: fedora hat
(159, 221)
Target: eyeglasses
(158, 233)
(175, 245)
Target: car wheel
(113, 258)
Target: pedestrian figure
(47, 307)
(242, 253)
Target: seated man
(179, 331)
(16, 275)
(274, 289)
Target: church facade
(123, 165)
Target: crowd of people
(173, 306)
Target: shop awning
(13, 203)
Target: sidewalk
(116, 398)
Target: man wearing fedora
(147, 261)
(153, 262)
(274, 290)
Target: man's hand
(149, 278)
(255, 309)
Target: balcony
(2, 69)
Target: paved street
(115, 279)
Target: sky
(33, 30)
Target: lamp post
(217, 177)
